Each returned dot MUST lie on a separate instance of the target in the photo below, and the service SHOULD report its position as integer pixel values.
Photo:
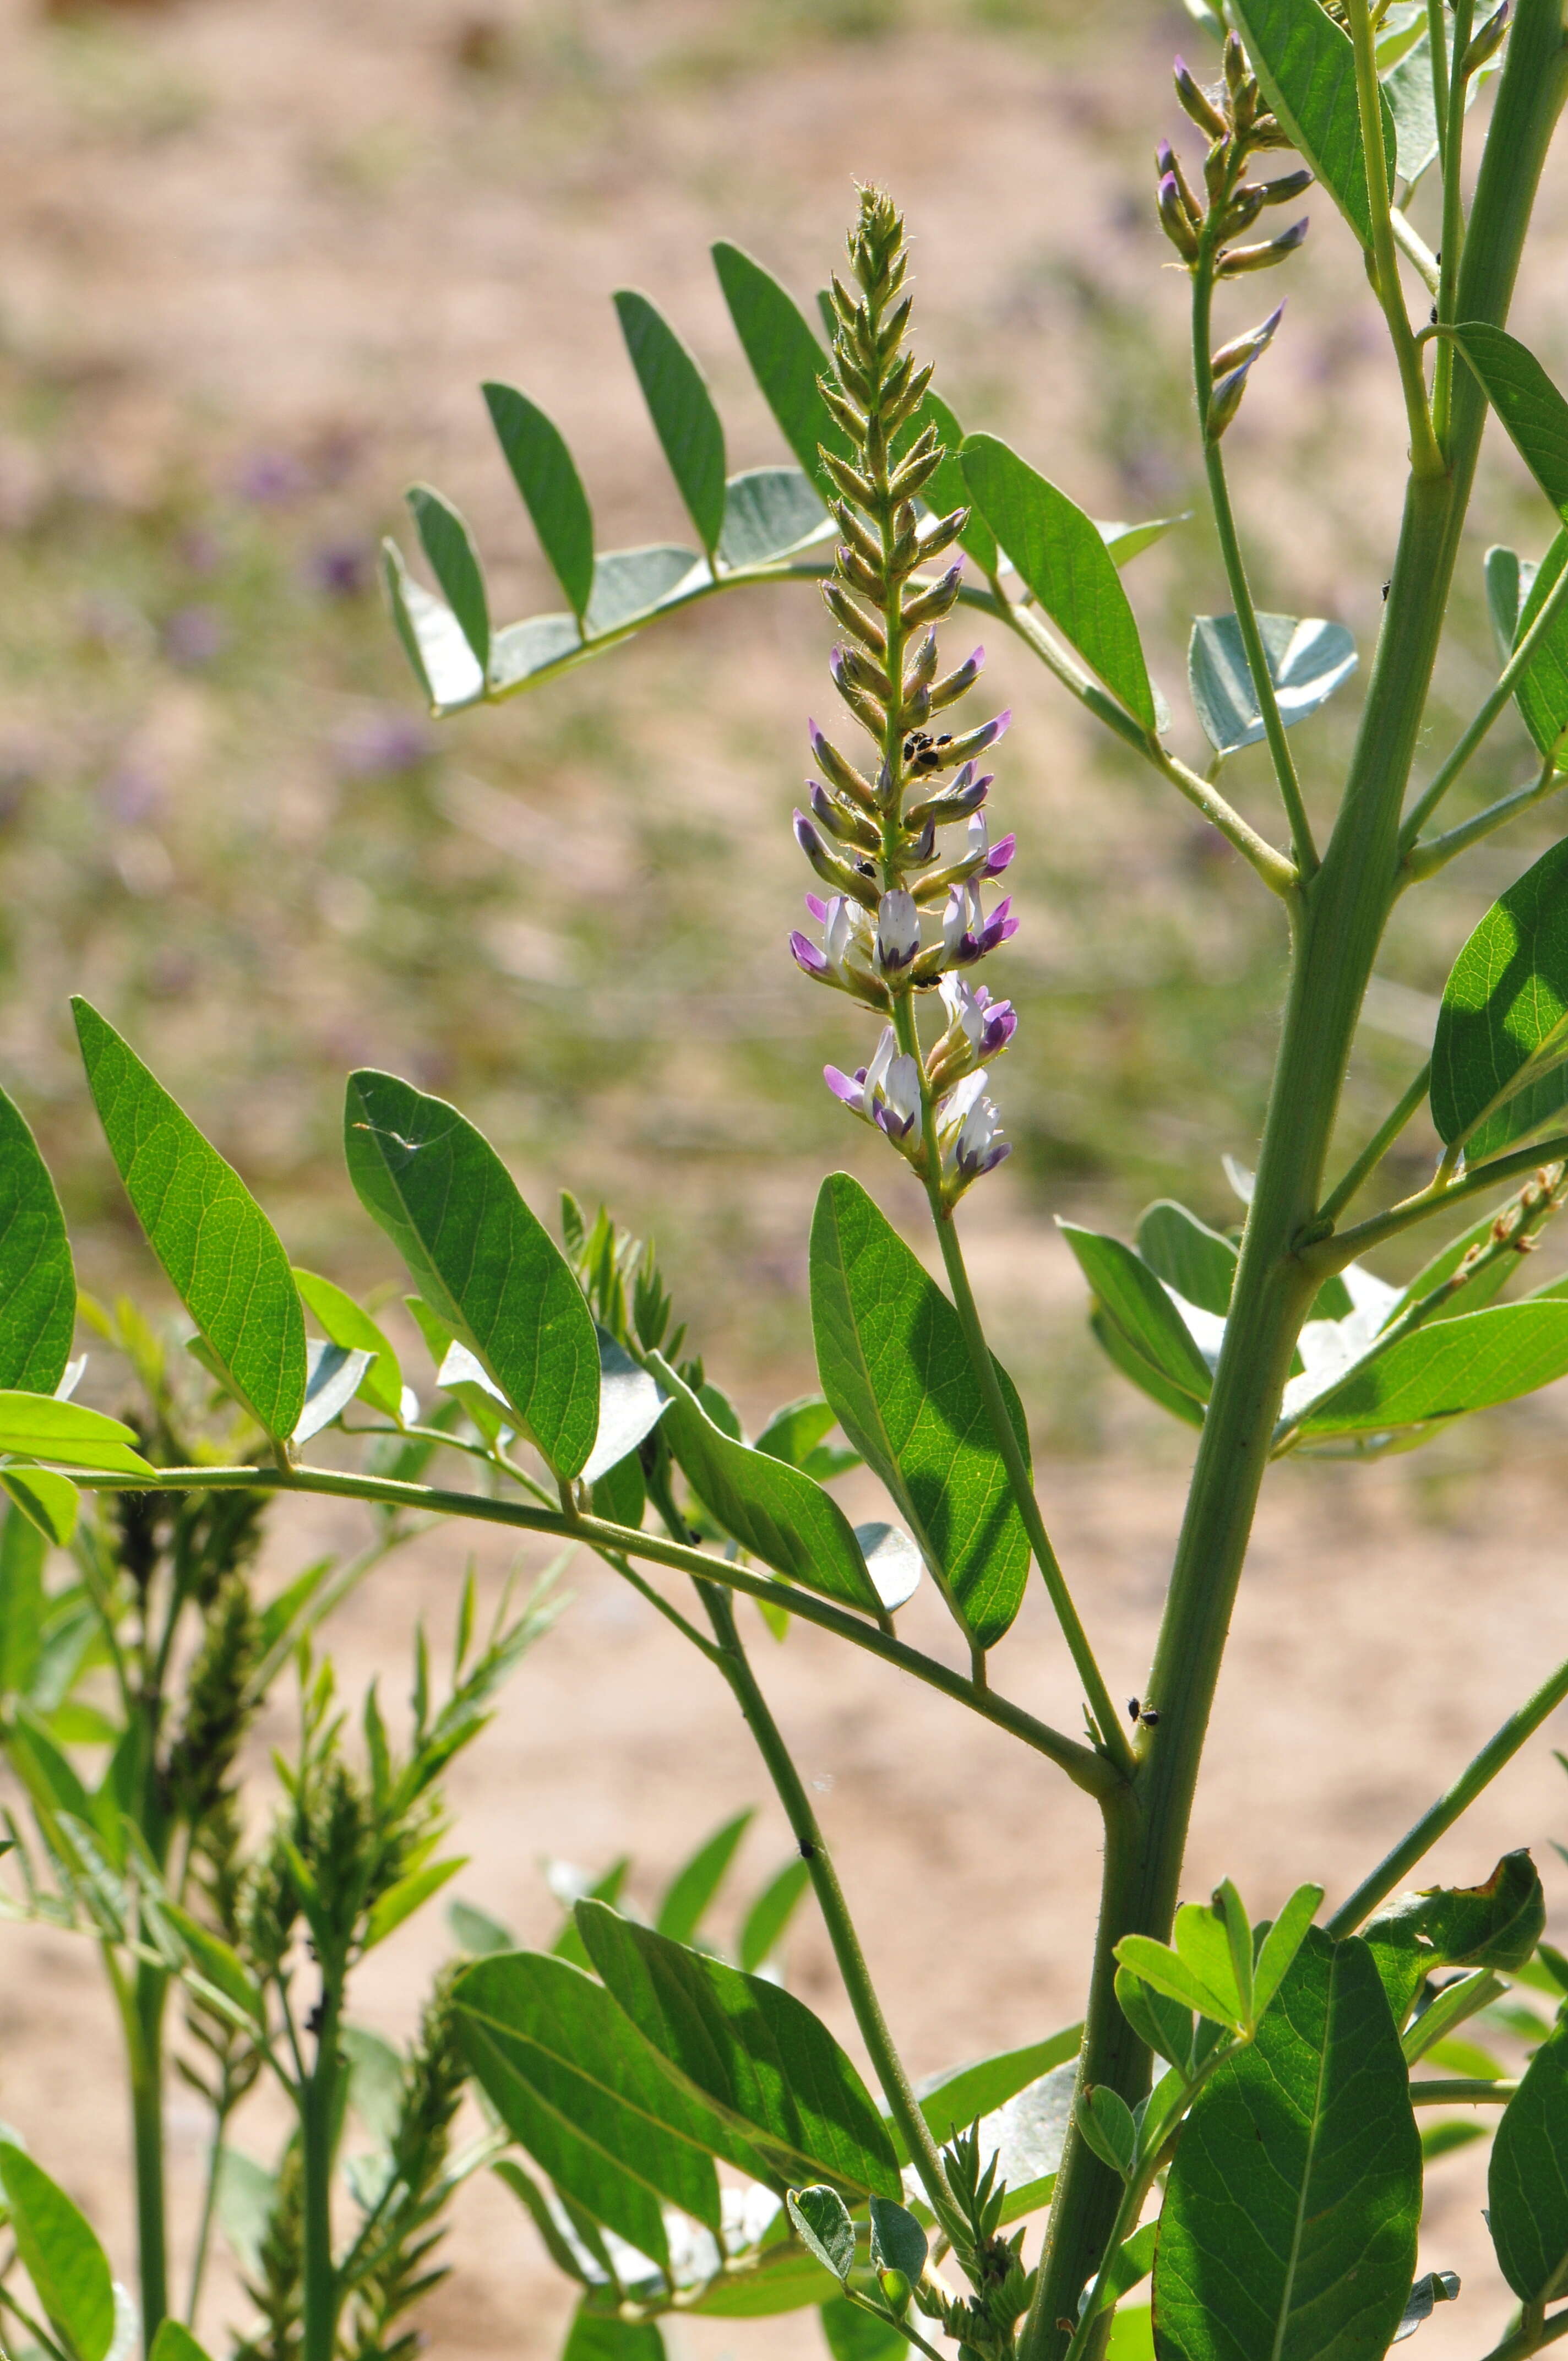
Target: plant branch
(897, 2089)
(1326, 1256)
(1306, 851)
(1448, 86)
(1507, 680)
(1426, 458)
(1424, 859)
(1530, 2337)
(1378, 1146)
(1414, 248)
(1087, 1769)
(1461, 2092)
(1279, 872)
(1479, 1773)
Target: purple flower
(968, 1134)
(986, 1025)
(384, 745)
(269, 478)
(887, 1092)
(806, 955)
(897, 932)
(194, 635)
(848, 951)
(967, 933)
(339, 569)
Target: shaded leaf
(49, 1502)
(343, 1322)
(894, 1366)
(1060, 555)
(694, 1889)
(595, 2336)
(449, 1206)
(898, 2243)
(333, 1376)
(1542, 694)
(631, 1403)
(1308, 660)
(1507, 582)
(1196, 1261)
(223, 1256)
(783, 2278)
(1499, 1064)
(951, 2102)
(1134, 1301)
(762, 1929)
(1307, 68)
(851, 2335)
(1289, 2220)
(1527, 2182)
(823, 2225)
(682, 410)
(1141, 1373)
(774, 1511)
(38, 1282)
(1126, 542)
(545, 473)
(449, 547)
(749, 2050)
(949, 487)
(768, 511)
(893, 1563)
(1533, 413)
(174, 2341)
(1433, 2288)
(1496, 1924)
(785, 356)
(444, 663)
(629, 583)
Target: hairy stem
(1426, 460)
(1378, 1146)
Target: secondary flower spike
(903, 910)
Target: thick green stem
(1497, 1752)
(897, 2089)
(144, 2036)
(1423, 860)
(1343, 910)
(318, 2136)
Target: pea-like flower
(887, 1092)
(969, 1136)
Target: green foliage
(1501, 1046)
(682, 410)
(785, 356)
(1308, 660)
(1304, 61)
(68, 2268)
(1526, 2198)
(37, 1283)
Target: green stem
(1086, 1768)
(1530, 2337)
(1553, 605)
(1426, 460)
(318, 2130)
(1235, 568)
(1450, 111)
(1335, 938)
(1378, 1146)
(1330, 1255)
(1479, 1773)
(208, 2214)
(1423, 860)
(897, 2089)
(144, 2032)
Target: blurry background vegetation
(253, 263)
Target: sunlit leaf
(64, 2261)
(786, 358)
(37, 1282)
(682, 410)
(1308, 660)
(545, 473)
(1307, 67)
(449, 548)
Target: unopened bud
(1242, 211)
(1217, 170)
(1168, 160)
(1288, 185)
(896, 2290)
(1224, 402)
(1242, 259)
(1247, 347)
(1486, 43)
(1173, 219)
(1196, 102)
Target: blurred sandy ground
(228, 233)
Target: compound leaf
(894, 1366)
(1135, 1303)
(1533, 413)
(224, 1257)
(451, 1209)
(785, 356)
(1470, 1363)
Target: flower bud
(841, 820)
(1288, 185)
(932, 602)
(1223, 403)
(850, 668)
(1240, 212)
(1196, 102)
(840, 773)
(921, 669)
(1486, 43)
(957, 682)
(1246, 347)
(1173, 219)
(1241, 259)
(854, 619)
(1166, 161)
(966, 795)
(843, 876)
(897, 932)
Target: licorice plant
(1237, 2118)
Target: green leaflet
(22, 1601)
(1497, 1924)
(1307, 68)
(1308, 660)
(632, 1403)
(784, 2279)
(543, 470)
(37, 1282)
(595, 2336)
(1062, 557)
(772, 1509)
(694, 1888)
(444, 663)
(1136, 1304)
(1289, 2220)
(1533, 413)
(751, 2051)
(1467, 1364)
(1527, 2181)
(174, 2341)
(768, 511)
(952, 2101)
(68, 2268)
(223, 1258)
(343, 1322)
(587, 2098)
(449, 1206)
(1542, 694)
(1499, 1064)
(682, 410)
(50, 1502)
(1189, 1256)
(822, 2224)
(785, 356)
(1507, 584)
(448, 545)
(949, 487)
(851, 2335)
(893, 1365)
(38, 1426)
(762, 1929)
